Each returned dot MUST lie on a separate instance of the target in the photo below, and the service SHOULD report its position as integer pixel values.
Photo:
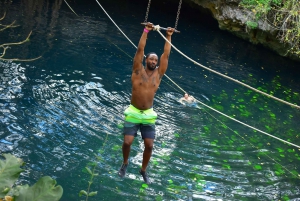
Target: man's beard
(151, 67)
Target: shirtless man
(140, 114)
(187, 99)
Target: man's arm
(139, 55)
(165, 56)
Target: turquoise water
(59, 111)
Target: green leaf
(257, 167)
(155, 162)
(226, 166)
(82, 192)
(98, 157)
(93, 193)
(116, 147)
(195, 138)
(206, 128)
(295, 173)
(89, 170)
(9, 172)
(44, 189)
(170, 181)
(280, 150)
(120, 126)
(285, 198)
(144, 185)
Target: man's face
(151, 61)
(186, 96)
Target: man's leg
(147, 153)
(129, 132)
(128, 139)
(146, 157)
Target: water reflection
(12, 78)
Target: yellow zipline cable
(157, 29)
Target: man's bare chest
(143, 80)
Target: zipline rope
(70, 8)
(232, 79)
(116, 25)
(277, 138)
(253, 145)
(157, 29)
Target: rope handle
(157, 27)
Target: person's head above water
(186, 96)
(151, 60)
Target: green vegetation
(282, 15)
(92, 174)
(45, 189)
(252, 25)
(240, 106)
(90, 169)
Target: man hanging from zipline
(140, 114)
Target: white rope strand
(235, 80)
(116, 25)
(277, 138)
(157, 29)
(175, 84)
(70, 8)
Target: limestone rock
(234, 19)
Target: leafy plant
(92, 175)
(92, 172)
(252, 25)
(45, 189)
(283, 16)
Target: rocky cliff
(234, 19)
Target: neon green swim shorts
(134, 115)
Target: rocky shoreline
(232, 18)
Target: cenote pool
(64, 111)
